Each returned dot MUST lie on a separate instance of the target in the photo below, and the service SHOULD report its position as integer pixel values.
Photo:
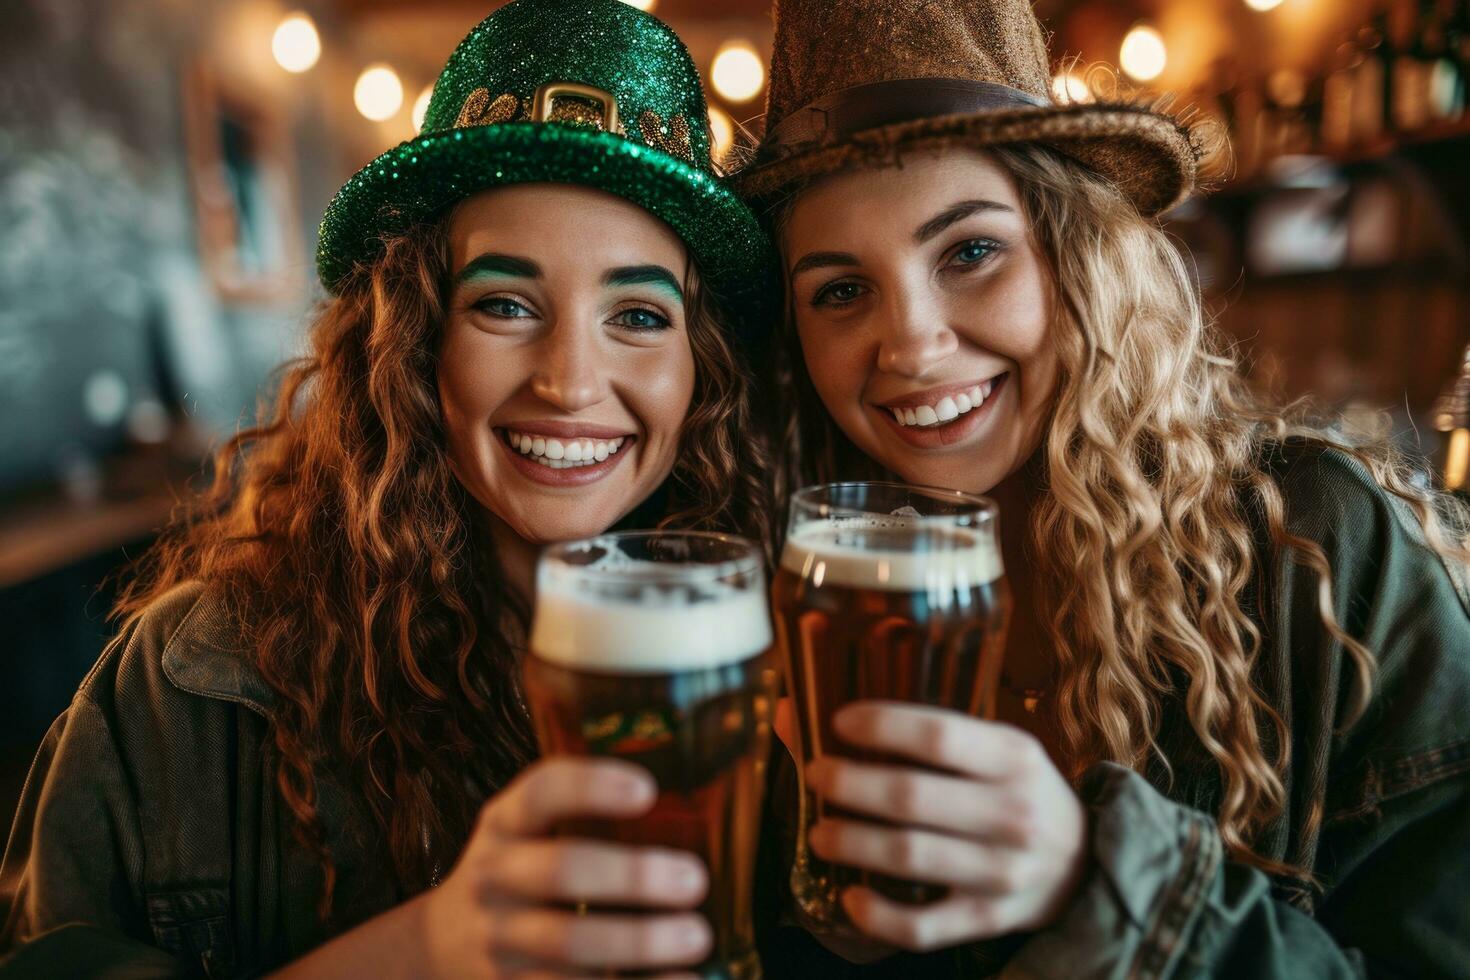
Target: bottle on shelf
(1408, 82)
(1370, 84)
(1443, 85)
(1337, 97)
(1452, 417)
(1457, 44)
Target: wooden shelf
(45, 531)
(1387, 148)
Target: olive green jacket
(151, 842)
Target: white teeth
(560, 454)
(947, 409)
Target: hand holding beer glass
(655, 648)
(889, 593)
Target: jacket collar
(206, 656)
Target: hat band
(841, 115)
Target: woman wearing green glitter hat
(311, 715)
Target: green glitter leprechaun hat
(588, 92)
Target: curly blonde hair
(1155, 465)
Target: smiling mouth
(947, 409)
(562, 454)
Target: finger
(961, 918)
(784, 723)
(919, 855)
(567, 786)
(590, 871)
(598, 941)
(915, 797)
(940, 738)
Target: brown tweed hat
(852, 81)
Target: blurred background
(164, 164)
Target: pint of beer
(656, 648)
(884, 592)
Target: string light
(296, 44)
(722, 132)
(738, 73)
(1070, 88)
(378, 93)
(1143, 55)
(421, 107)
(1263, 4)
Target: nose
(570, 376)
(915, 337)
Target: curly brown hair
(363, 578)
(1155, 464)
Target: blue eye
(639, 318)
(973, 253)
(837, 294)
(503, 307)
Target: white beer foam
(662, 632)
(823, 552)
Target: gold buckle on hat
(545, 108)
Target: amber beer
(656, 648)
(885, 592)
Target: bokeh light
(421, 107)
(378, 93)
(738, 73)
(296, 44)
(1070, 88)
(722, 132)
(641, 4)
(1143, 55)
(1263, 4)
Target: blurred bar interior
(163, 165)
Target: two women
(1242, 643)
(312, 713)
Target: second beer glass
(888, 592)
(654, 647)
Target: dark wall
(106, 314)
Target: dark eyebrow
(820, 260)
(953, 213)
(638, 275)
(495, 264)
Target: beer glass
(889, 592)
(655, 647)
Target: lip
(577, 476)
(951, 433)
(566, 430)
(933, 396)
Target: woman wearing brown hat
(1233, 740)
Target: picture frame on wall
(243, 181)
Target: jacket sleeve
(1392, 861)
(72, 867)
